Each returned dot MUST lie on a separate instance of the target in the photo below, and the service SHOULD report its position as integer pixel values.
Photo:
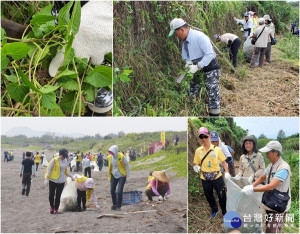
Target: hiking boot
(51, 210)
(23, 191)
(103, 102)
(113, 207)
(56, 212)
(213, 214)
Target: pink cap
(203, 131)
(89, 183)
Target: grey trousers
(268, 52)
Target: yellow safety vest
(79, 158)
(37, 158)
(149, 179)
(121, 165)
(55, 172)
(89, 192)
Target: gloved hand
(94, 38)
(227, 175)
(248, 190)
(188, 63)
(193, 69)
(160, 198)
(196, 168)
(250, 179)
(97, 206)
(242, 29)
(167, 197)
(237, 177)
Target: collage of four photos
(149, 116)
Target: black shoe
(27, 194)
(23, 191)
(103, 102)
(114, 207)
(78, 208)
(118, 208)
(84, 208)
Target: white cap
(176, 23)
(272, 145)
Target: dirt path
(272, 90)
(31, 214)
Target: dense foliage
(26, 87)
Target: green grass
(289, 46)
(173, 161)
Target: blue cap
(214, 136)
(63, 152)
(246, 14)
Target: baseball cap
(63, 152)
(176, 23)
(246, 14)
(272, 145)
(267, 17)
(203, 131)
(214, 136)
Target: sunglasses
(203, 136)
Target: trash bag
(45, 162)
(248, 49)
(246, 206)
(93, 163)
(68, 199)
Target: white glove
(242, 29)
(227, 175)
(188, 63)
(95, 35)
(97, 206)
(197, 168)
(237, 177)
(250, 179)
(167, 197)
(248, 190)
(160, 198)
(193, 68)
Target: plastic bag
(248, 50)
(246, 206)
(93, 163)
(68, 199)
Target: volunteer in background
(27, 168)
(252, 163)
(37, 160)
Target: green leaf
(3, 37)
(81, 65)
(17, 50)
(101, 76)
(12, 78)
(64, 15)
(67, 72)
(90, 92)
(68, 49)
(49, 100)
(68, 84)
(41, 54)
(27, 81)
(127, 72)
(108, 57)
(48, 89)
(68, 101)
(75, 18)
(123, 77)
(17, 91)
(42, 19)
(4, 61)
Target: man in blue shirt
(199, 55)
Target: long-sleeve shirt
(258, 163)
(82, 187)
(115, 169)
(63, 165)
(86, 163)
(197, 46)
(159, 184)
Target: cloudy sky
(91, 126)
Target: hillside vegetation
(147, 62)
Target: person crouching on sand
(85, 190)
(158, 185)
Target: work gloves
(248, 190)
(94, 38)
(237, 177)
(160, 198)
(227, 175)
(192, 68)
(196, 168)
(242, 29)
(250, 179)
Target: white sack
(68, 199)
